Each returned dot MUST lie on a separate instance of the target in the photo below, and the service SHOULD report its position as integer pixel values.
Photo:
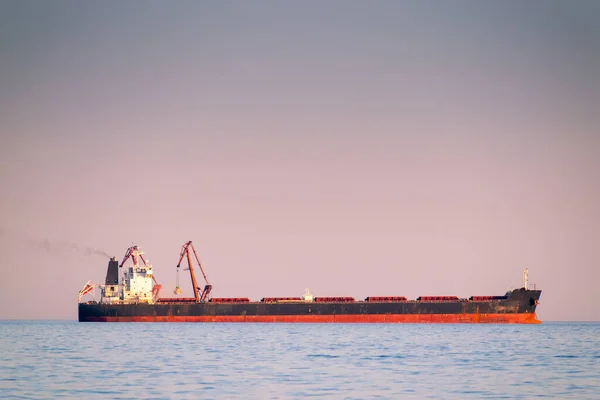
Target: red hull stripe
(526, 318)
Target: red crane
(201, 295)
(155, 290)
(134, 252)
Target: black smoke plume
(62, 246)
(51, 246)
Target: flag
(86, 289)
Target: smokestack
(112, 273)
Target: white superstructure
(137, 284)
(137, 280)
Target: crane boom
(199, 265)
(133, 252)
(155, 290)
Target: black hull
(518, 307)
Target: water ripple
(47, 360)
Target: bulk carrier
(136, 297)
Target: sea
(72, 360)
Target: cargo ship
(135, 297)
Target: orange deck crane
(200, 295)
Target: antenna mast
(525, 273)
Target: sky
(355, 148)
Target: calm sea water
(48, 360)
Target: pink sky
(389, 149)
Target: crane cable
(177, 288)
